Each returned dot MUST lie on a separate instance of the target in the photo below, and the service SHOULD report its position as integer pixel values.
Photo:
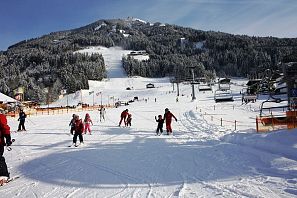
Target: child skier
(160, 121)
(129, 119)
(22, 118)
(88, 122)
(79, 129)
(72, 124)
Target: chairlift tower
(193, 82)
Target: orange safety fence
(271, 123)
(222, 122)
(55, 111)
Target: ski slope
(201, 158)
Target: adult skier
(124, 115)
(4, 134)
(102, 113)
(168, 118)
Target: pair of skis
(76, 145)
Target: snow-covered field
(201, 158)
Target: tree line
(51, 61)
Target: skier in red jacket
(78, 131)
(168, 118)
(124, 115)
(4, 134)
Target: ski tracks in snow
(196, 127)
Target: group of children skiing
(80, 127)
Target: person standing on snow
(72, 124)
(168, 118)
(78, 130)
(160, 121)
(22, 118)
(124, 115)
(88, 122)
(102, 113)
(129, 120)
(4, 134)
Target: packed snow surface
(201, 158)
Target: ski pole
(8, 148)
(31, 121)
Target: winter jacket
(124, 114)
(72, 122)
(168, 117)
(79, 126)
(22, 116)
(88, 120)
(4, 130)
(160, 122)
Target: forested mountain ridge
(51, 62)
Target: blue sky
(25, 19)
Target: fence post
(235, 124)
(214, 107)
(233, 107)
(221, 121)
(272, 121)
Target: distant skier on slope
(4, 134)
(168, 118)
(102, 113)
(160, 121)
(87, 122)
(124, 115)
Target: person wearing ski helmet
(129, 120)
(4, 134)
(160, 121)
(22, 118)
(168, 118)
(87, 123)
(72, 124)
(78, 131)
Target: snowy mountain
(201, 158)
(49, 62)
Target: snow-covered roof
(4, 98)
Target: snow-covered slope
(201, 158)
